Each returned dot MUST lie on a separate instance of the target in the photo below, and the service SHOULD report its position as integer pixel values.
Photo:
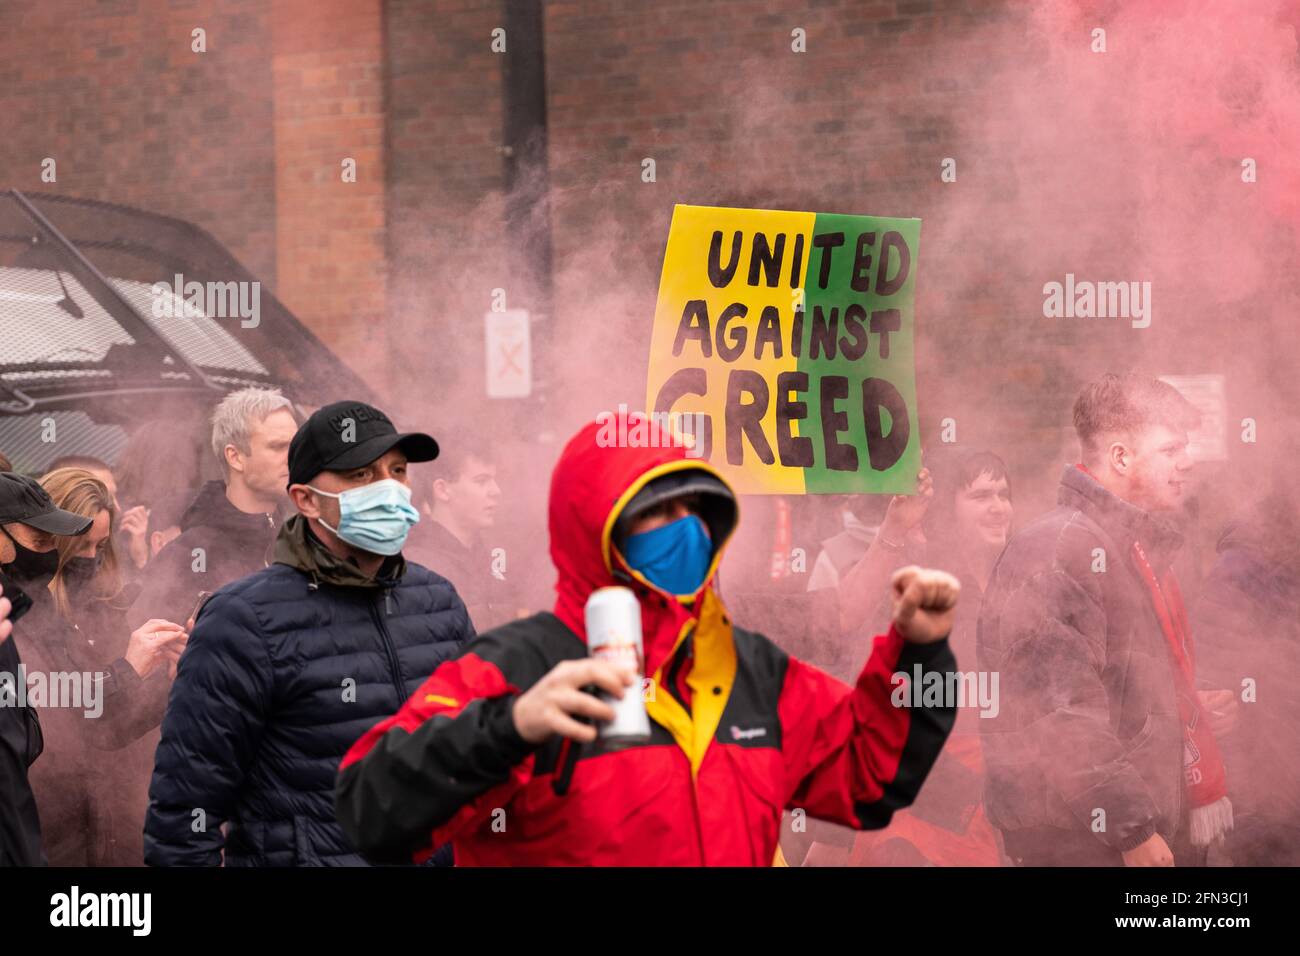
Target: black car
(99, 357)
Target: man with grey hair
(228, 531)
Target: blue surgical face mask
(376, 517)
(674, 557)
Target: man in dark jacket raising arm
(739, 731)
(287, 666)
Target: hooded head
(611, 472)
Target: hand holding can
(613, 620)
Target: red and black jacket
(740, 730)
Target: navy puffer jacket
(284, 670)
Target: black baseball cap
(24, 501)
(320, 445)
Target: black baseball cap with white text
(346, 435)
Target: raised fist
(925, 602)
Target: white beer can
(613, 619)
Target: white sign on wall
(509, 354)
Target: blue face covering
(675, 557)
(376, 517)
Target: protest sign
(789, 336)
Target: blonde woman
(87, 574)
(88, 559)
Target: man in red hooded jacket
(740, 731)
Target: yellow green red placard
(790, 336)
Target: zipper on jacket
(269, 550)
(388, 644)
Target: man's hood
(593, 481)
(298, 548)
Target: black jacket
(81, 783)
(230, 544)
(286, 668)
(469, 568)
(1088, 736)
(20, 745)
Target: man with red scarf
(740, 731)
(1103, 751)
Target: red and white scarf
(1207, 781)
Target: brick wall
(114, 94)
(1065, 164)
(446, 242)
(245, 139)
(329, 107)
(396, 270)
(731, 115)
